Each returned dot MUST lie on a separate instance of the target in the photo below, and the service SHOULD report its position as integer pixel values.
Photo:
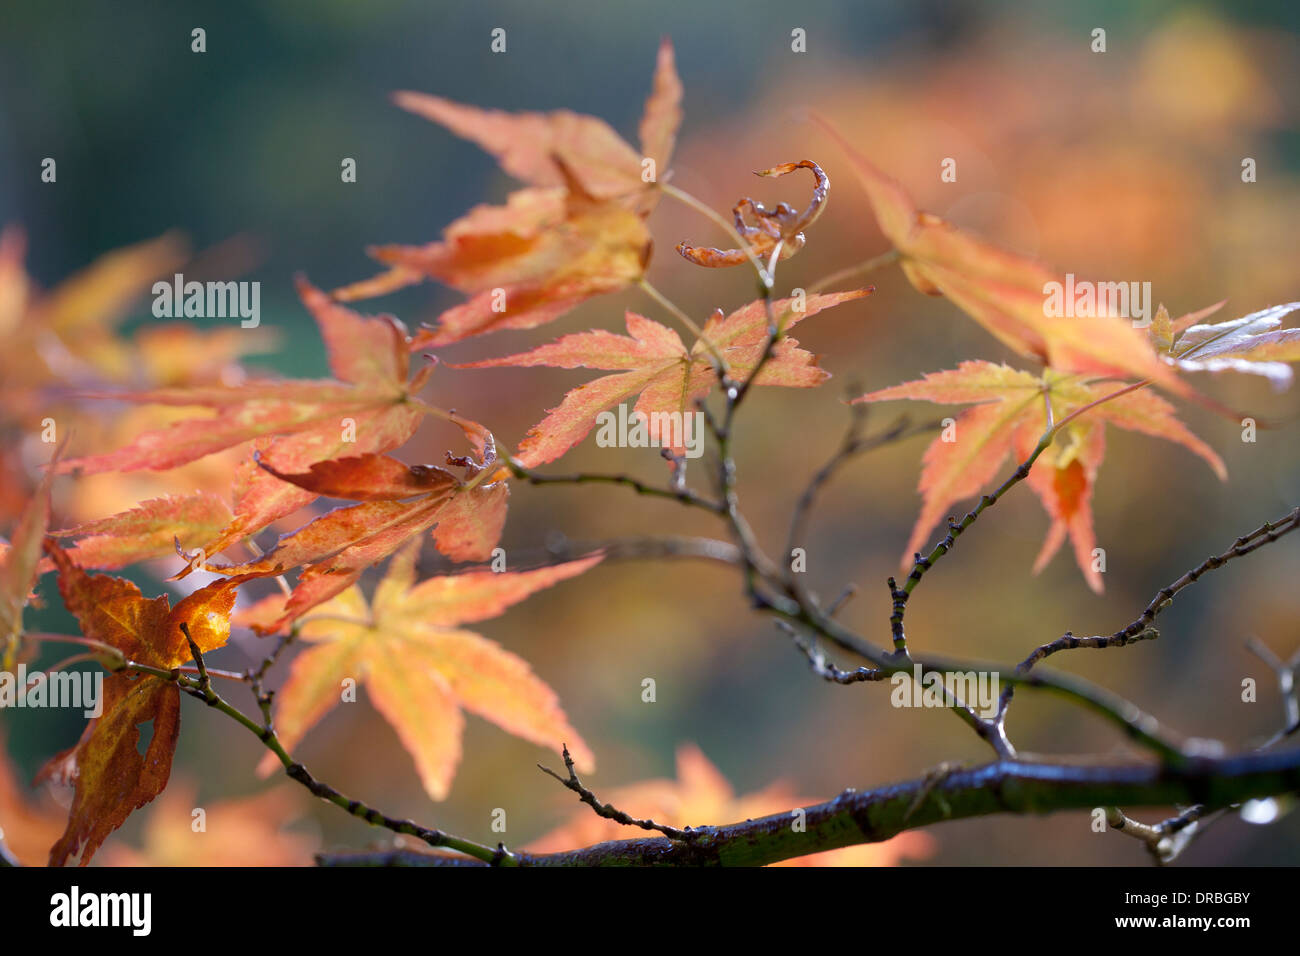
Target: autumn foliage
(275, 450)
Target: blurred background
(1124, 164)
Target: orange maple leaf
(243, 831)
(259, 500)
(701, 796)
(20, 564)
(149, 530)
(1009, 417)
(652, 362)
(552, 149)
(577, 232)
(68, 336)
(1004, 292)
(399, 502)
(527, 263)
(406, 646)
(199, 524)
(367, 409)
(111, 775)
(80, 313)
(72, 329)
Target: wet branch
(871, 816)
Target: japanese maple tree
(320, 463)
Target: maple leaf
(260, 499)
(83, 310)
(526, 263)
(577, 232)
(367, 409)
(662, 116)
(1164, 329)
(177, 353)
(1253, 343)
(701, 796)
(1004, 292)
(1009, 415)
(111, 775)
(652, 362)
(549, 149)
(70, 332)
(407, 647)
(197, 525)
(399, 502)
(20, 562)
(152, 529)
(68, 337)
(244, 831)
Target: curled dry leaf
(782, 224)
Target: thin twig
(1286, 682)
(1265, 534)
(824, 668)
(204, 691)
(854, 271)
(608, 810)
(682, 494)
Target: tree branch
(872, 816)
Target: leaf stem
(709, 212)
(720, 363)
(854, 271)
